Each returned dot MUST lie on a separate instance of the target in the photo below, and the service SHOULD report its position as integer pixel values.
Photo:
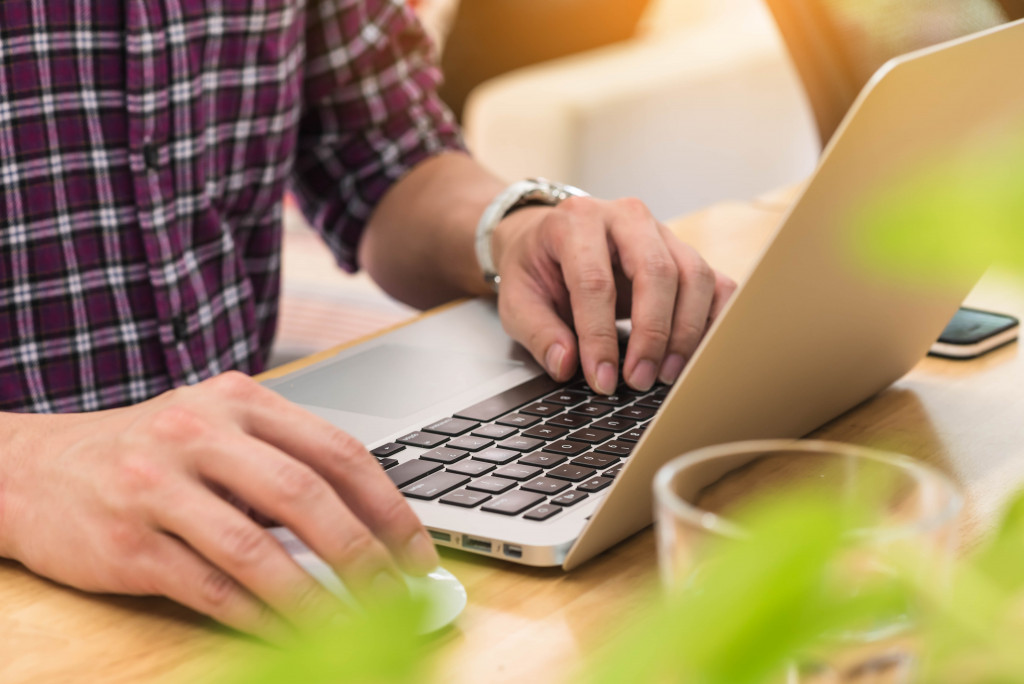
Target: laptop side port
(478, 545)
(439, 536)
(513, 551)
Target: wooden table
(536, 625)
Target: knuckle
(234, 384)
(297, 482)
(659, 266)
(632, 206)
(597, 283)
(656, 331)
(137, 473)
(245, 544)
(576, 204)
(358, 544)
(688, 335)
(127, 538)
(216, 589)
(178, 423)
(345, 448)
(396, 515)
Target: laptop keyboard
(531, 451)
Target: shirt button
(151, 156)
(179, 327)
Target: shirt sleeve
(371, 113)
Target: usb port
(476, 544)
(513, 551)
(440, 536)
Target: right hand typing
(148, 500)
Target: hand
(135, 501)
(579, 266)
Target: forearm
(419, 242)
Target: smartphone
(973, 332)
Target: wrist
(514, 198)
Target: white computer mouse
(443, 593)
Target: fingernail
(554, 359)
(385, 585)
(644, 375)
(671, 369)
(607, 378)
(421, 556)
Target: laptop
(499, 460)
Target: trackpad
(392, 381)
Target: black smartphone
(973, 332)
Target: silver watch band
(519, 194)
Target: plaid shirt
(145, 146)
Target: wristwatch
(524, 193)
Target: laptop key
(409, 471)
(613, 471)
(434, 485)
(593, 410)
(513, 503)
(444, 455)
(566, 447)
(633, 435)
(453, 427)
(510, 399)
(566, 398)
(613, 399)
(494, 485)
(636, 413)
(520, 443)
(546, 432)
(517, 471)
(595, 484)
(573, 473)
(545, 485)
(543, 512)
(465, 498)
(570, 498)
(616, 447)
(541, 409)
(471, 468)
(387, 449)
(470, 443)
(495, 431)
(591, 436)
(426, 440)
(519, 420)
(569, 420)
(496, 455)
(613, 424)
(387, 462)
(651, 402)
(543, 459)
(595, 460)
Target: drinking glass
(894, 503)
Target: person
(145, 149)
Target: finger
(347, 466)
(529, 316)
(648, 264)
(245, 554)
(584, 253)
(724, 289)
(177, 572)
(295, 495)
(693, 307)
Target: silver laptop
(498, 460)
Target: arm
(566, 272)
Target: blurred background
(682, 103)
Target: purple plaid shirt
(145, 146)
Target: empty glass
(887, 504)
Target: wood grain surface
(536, 625)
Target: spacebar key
(510, 399)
